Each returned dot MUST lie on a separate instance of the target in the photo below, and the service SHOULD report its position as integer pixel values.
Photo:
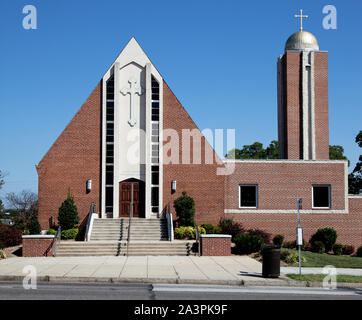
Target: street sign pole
(299, 237)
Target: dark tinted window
(321, 196)
(248, 196)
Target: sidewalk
(232, 270)
(344, 271)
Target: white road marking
(229, 289)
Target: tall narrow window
(321, 196)
(109, 146)
(155, 144)
(248, 196)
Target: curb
(271, 283)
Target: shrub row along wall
(38, 246)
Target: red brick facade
(74, 158)
(321, 104)
(280, 184)
(292, 104)
(291, 66)
(215, 246)
(38, 247)
(199, 181)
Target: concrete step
(141, 248)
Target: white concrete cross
(132, 90)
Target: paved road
(63, 291)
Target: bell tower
(303, 128)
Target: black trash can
(271, 261)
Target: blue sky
(218, 57)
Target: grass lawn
(321, 260)
(320, 277)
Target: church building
(127, 143)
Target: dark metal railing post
(198, 239)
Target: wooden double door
(125, 198)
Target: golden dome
(303, 41)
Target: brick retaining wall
(215, 245)
(38, 246)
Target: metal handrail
(130, 218)
(198, 239)
(168, 216)
(91, 211)
(55, 240)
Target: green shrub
(248, 243)
(52, 232)
(185, 210)
(291, 257)
(187, 232)
(337, 249)
(326, 235)
(293, 245)
(228, 226)
(211, 229)
(359, 252)
(1, 246)
(2, 254)
(289, 244)
(258, 232)
(284, 254)
(69, 234)
(318, 247)
(278, 240)
(347, 250)
(68, 213)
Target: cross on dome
(301, 16)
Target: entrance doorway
(125, 197)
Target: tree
(1, 184)
(359, 139)
(255, 151)
(2, 175)
(24, 203)
(355, 178)
(272, 152)
(33, 223)
(68, 213)
(336, 152)
(185, 210)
